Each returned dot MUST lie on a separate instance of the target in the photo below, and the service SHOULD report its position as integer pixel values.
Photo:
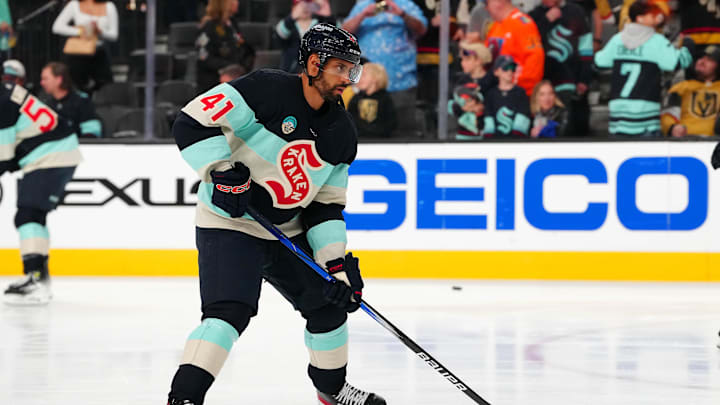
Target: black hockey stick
(425, 356)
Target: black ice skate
(350, 395)
(173, 401)
(32, 289)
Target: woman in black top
(220, 44)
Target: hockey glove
(231, 189)
(346, 293)
(715, 160)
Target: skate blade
(16, 300)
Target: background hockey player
(34, 139)
(282, 143)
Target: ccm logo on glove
(231, 189)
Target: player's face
(49, 82)
(335, 77)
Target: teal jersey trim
(460, 137)
(282, 30)
(489, 125)
(339, 176)
(521, 123)
(323, 342)
(207, 151)
(326, 233)
(32, 230)
(216, 331)
(205, 191)
(259, 139)
(61, 145)
(93, 127)
(7, 136)
(5, 15)
(631, 108)
(22, 123)
(566, 87)
(585, 45)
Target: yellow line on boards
(620, 266)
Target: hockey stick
(425, 356)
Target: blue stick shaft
(419, 351)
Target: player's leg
(39, 192)
(230, 264)
(326, 330)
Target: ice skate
(32, 289)
(173, 401)
(350, 395)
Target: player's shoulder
(340, 146)
(13, 93)
(266, 83)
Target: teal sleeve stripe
(207, 151)
(326, 233)
(323, 342)
(339, 176)
(205, 196)
(7, 136)
(629, 107)
(566, 87)
(216, 331)
(585, 45)
(22, 123)
(33, 230)
(521, 123)
(61, 145)
(282, 30)
(5, 13)
(93, 127)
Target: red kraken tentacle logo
(294, 160)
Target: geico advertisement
(613, 196)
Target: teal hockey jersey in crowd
(637, 56)
(298, 157)
(32, 135)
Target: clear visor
(338, 69)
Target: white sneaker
(29, 290)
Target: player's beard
(326, 90)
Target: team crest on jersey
(294, 162)
(704, 105)
(289, 124)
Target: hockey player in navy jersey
(283, 144)
(41, 144)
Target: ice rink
(118, 340)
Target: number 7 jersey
(33, 136)
(298, 157)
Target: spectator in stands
(568, 45)
(597, 13)
(662, 17)
(232, 72)
(475, 59)
(514, 33)
(700, 21)
(467, 105)
(372, 107)
(507, 109)
(550, 117)
(387, 32)
(289, 30)
(13, 72)
(90, 18)
(220, 44)
(693, 106)
(6, 30)
(69, 103)
(637, 56)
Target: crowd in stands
(518, 69)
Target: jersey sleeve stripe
(92, 127)
(7, 136)
(66, 144)
(207, 151)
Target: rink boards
(593, 211)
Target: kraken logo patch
(289, 124)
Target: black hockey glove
(346, 293)
(231, 189)
(715, 160)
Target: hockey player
(282, 143)
(34, 139)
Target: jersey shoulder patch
(18, 95)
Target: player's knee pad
(209, 345)
(236, 314)
(27, 215)
(325, 319)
